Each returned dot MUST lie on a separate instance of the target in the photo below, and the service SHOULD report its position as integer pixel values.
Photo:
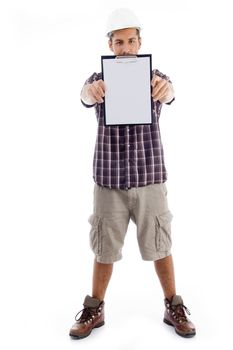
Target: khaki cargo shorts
(113, 208)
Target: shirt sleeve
(161, 75)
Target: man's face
(125, 42)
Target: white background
(48, 49)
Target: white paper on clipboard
(128, 90)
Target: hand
(95, 91)
(162, 90)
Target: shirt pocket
(95, 234)
(163, 240)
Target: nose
(126, 50)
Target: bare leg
(101, 277)
(165, 271)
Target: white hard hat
(120, 19)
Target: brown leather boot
(175, 316)
(92, 317)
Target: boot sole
(188, 335)
(73, 336)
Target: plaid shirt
(128, 156)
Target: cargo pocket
(95, 234)
(163, 232)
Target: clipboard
(128, 99)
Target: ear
(110, 44)
(140, 42)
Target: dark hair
(110, 35)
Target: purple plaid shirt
(128, 156)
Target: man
(130, 176)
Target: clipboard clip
(129, 56)
(132, 59)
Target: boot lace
(88, 315)
(178, 312)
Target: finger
(95, 93)
(159, 96)
(100, 87)
(155, 80)
(162, 92)
(98, 91)
(160, 87)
